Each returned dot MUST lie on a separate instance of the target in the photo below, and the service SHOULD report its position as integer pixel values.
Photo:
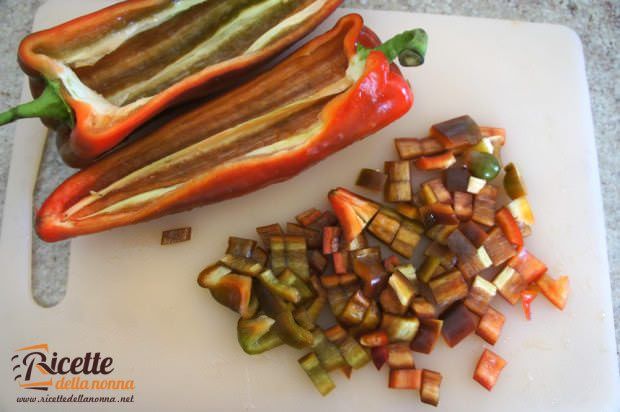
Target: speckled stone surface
(597, 22)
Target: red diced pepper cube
(488, 369)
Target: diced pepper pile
(386, 308)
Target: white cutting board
(130, 298)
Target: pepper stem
(49, 104)
(409, 46)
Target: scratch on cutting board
(249, 403)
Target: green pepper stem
(49, 104)
(409, 46)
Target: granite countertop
(596, 23)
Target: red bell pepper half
(337, 89)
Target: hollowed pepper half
(336, 89)
(100, 76)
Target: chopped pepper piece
(391, 262)
(448, 288)
(278, 288)
(170, 237)
(368, 266)
(408, 210)
(327, 219)
(457, 178)
(510, 283)
(474, 233)
(437, 162)
(398, 187)
(246, 266)
(353, 211)
(440, 233)
(484, 206)
(338, 279)
(371, 179)
(286, 327)
(313, 237)
(407, 238)
(423, 309)
(289, 278)
(290, 252)
(341, 262)
(443, 214)
(337, 298)
(371, 320)
(399, 328)
(360, 242)
(522, 212)
(490, 325)
(528, 266)
(355, 355)
(385, 225)
(240, 247)
(379, 356)
(527, 297)
(556, 290)
(439, 190)
(230, 289)
(513, 184)
(427, 336)
(400, 356)
(457, 133)
(411, 148)
(374, 339)
(429, 390)
(355, 309)
(475, 185)
(482, 165)
(427, 196)
(404, 289)
(405, 379)
(480, 295)
(256, 335)
(498, 247)
(428, 268)
(390, 303)
(308, 217)
(317, 261)
(458, 323)
(463, 205)
(509, 226)
(331, 240)
(329, 355)
(488, 369)
(265, 233)
(320, 378)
